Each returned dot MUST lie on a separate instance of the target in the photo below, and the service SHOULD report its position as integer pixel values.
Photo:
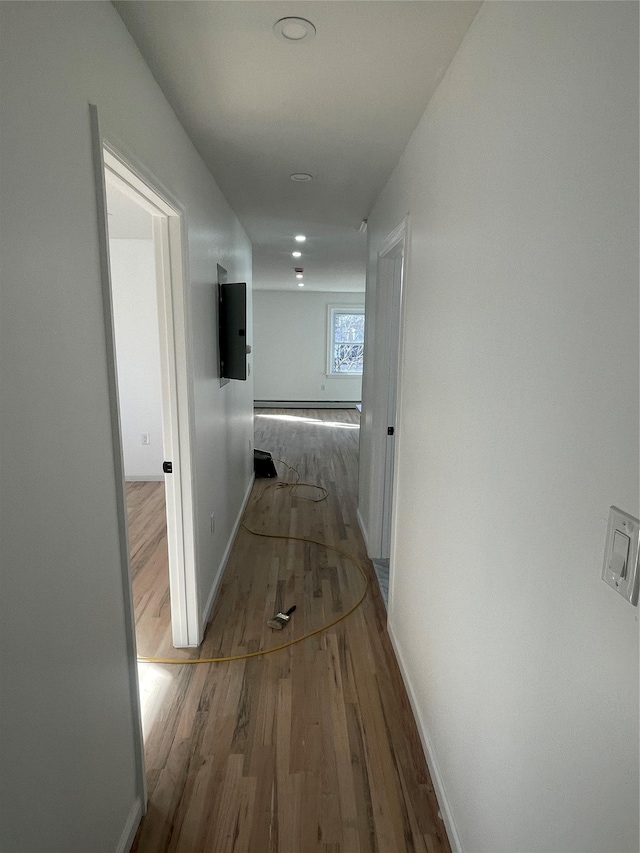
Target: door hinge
(167, 467)
(390, 431)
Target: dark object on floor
(280, 619)
(263, 464)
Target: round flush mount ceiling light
(301, 284)
(299, 275)
(294, 29)
(301, 177)
(297, 254)
(300, 238)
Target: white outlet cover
(620, 564)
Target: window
(346, 340)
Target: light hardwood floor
(311, 749)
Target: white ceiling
(340, 106)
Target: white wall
(290, 336)
(135, 312)
(519, 427)
(68, 774)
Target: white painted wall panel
(68, 778)
(290, 335)
(135, 309)
(519, 426)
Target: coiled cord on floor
(293, 486)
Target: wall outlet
(213, 523)
(144, 438)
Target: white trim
(363, 530)
(169, 238)
(185, 397)
(333, 309)
(392, 239)
(176, 446)
(130, 828)
(432, 764)
(144, 478)
(395, 243)
(306, 404)
(343, 375)
(403, 232)
(206, 613)
(118, 458)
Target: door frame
(169, 236)
(390, 290)
(392, 259)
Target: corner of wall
(130, 827)
(206, 612)
(436, 776)
(363, 530)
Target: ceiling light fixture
(301, 284)
(294, 29)
(296, 254)
(298, 275)
(300, 238)
(301, 177)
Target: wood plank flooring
(311, 749)
(149, 564)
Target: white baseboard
(305, 404)
(436, 776)
(144, 478)
(363, 530)
(371, 554)
(130, 828)
(223, 563)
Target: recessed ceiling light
(299, 275)
(301, 284)
(294, 29)
(297, 254)
(300, 238)
(301, 177)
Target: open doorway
(147, 315)
(138, 365)
(152, 412)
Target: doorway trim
(390, 287)
(121, 506)
(176, 420)
(169, 235)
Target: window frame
(332, 310)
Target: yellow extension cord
(246, 656)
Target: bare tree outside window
(347, 341)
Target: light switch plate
(620, 565)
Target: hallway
(311, 748)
